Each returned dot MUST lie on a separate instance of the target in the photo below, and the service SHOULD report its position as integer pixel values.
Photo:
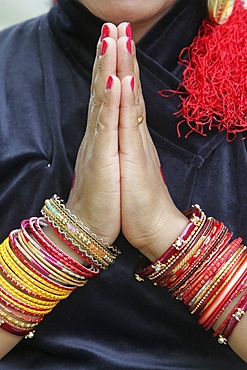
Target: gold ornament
(220, 10)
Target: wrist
(167, 230)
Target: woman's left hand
(150, 221)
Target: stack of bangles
(35, 275)
(206, 270)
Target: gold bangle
(33, 289)
(15, 322)
(18, 294)
(80, 231)
(55, 200)
(82, 242)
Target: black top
(114, 322)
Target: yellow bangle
(32, 281)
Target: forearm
(8, 342)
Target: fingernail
(109, 83)
(104, 46)
(129, 46)
(132, 83)
(129, 31)
(105, 32)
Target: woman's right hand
(95, 196)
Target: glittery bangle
(25, 284)
(75, 236)
(164, 275)
(18, 321)
(185, 266)
(27, 258)
(60, 203)
(221, 297)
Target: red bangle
(16, 331)
(61, 257)
(228, 325)
(210, 244)
(173, 280)
(171, 275)
(213, 262)
(6, 303)
(222, 297)
(236, 292)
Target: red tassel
(215, 78)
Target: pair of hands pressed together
(118, 183)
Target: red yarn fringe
(215, 78)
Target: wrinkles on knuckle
(95, 103)
(103, 127)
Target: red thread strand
(214, 87)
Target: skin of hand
(95, 197)
(118, 182)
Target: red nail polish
(105, 32)
(132, 83)
(129, 46)
(129, 31)
(109, 83)
(104, 46)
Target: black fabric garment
(114, 322)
